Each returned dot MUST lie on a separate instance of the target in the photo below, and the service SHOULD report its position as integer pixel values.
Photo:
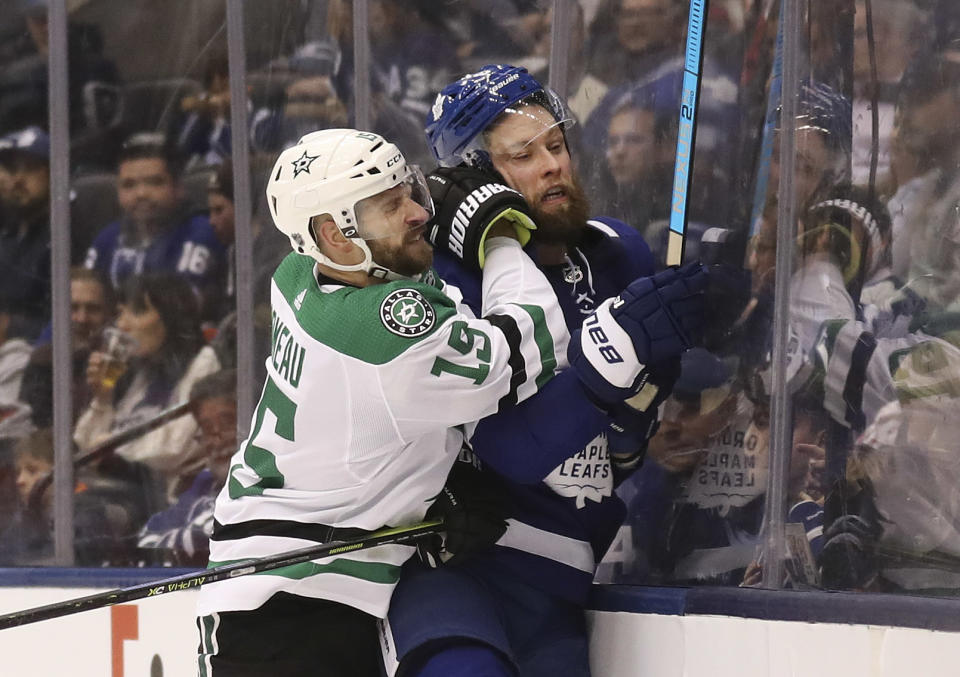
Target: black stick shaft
(197, 578)
(118, 439)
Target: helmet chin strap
(368, 265)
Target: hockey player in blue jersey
(517, 608)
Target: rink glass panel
(881, 447)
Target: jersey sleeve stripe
(518, 365)
(544, 340)
(318, 533)
(603, 228)
(853, 389)
(374, 572)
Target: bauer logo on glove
(468, 204)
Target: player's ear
(326, 233)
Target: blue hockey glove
(653, 320)
(468, 203)
(474, 505)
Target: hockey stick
(687, 133)
(762, 176)
(108, 445)
(894, 557)
(233, 570)
(101, 449)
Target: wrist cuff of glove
(522, 224)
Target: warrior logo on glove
(468, 207)
(468, 203)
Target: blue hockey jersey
(189, 248)
(561, 526)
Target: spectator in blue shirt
(154, 233)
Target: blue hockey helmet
(464, 109)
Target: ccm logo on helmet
(467, 209)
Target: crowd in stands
(874, 355)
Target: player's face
(217, 419)
(146, 191)
(529, 151)
(88, 312)
(393, 224)
(146, 327)
(630, 145)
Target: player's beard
(565, 224)
(410, 259)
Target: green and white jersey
(369, 396)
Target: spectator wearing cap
(154, 233)
(25, 229)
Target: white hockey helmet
(331, 172)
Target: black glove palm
(473, 505)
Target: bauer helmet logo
(302, 164)
(406, 313)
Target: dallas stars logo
(302, 163)
(406, 313)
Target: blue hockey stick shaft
(687, 133)
(769, 128)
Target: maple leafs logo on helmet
(467, 107)
(437, 109)
(406, 313)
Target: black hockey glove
(726, 298)
(653, 320)
(848, 560)
(634, 421)
(468, 203)
(473, 505)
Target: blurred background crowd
(873, 372)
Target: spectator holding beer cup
(110, 363)
(147, 363)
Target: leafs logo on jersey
(587, 475)
(406, 313)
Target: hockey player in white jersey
(376, 378)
